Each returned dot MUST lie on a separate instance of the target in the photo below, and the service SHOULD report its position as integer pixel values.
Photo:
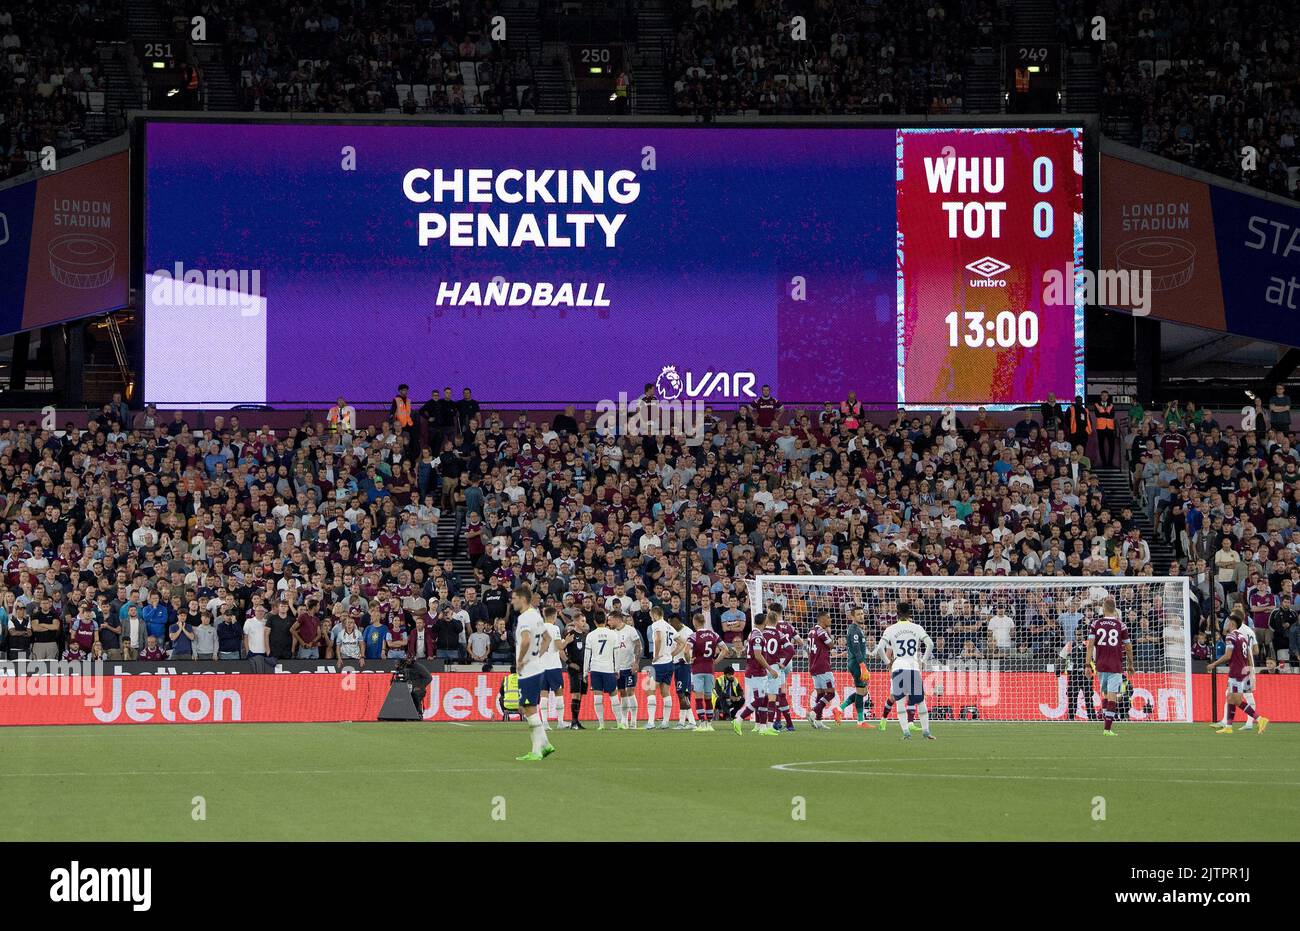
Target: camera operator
(417, 677)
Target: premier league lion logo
(669, 383)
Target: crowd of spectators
(48, 70)
(349, 56)
(731, 57)
(1202, 80)
(335, 539)
(1226, 496)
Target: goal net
(1006, 649)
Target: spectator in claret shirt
(420, 642)
(766, 409)
(398, 638)
(83, 628)
(306, 632)
(151, 650)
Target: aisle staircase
(1117, 495)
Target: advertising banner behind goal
(470, 697)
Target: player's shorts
(530, 689)
(1241, 686)
(682, 676)
(702, 682)
(776, 681)
(907, 682)
(1109, 682)
(553, 680)
(604, 682)
(663, 673)
(824, 680)
(577, 685)
(858, 681)
(758, 684)
(626, 679)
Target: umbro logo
(990, 271)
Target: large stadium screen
(64, 244)
(297, 263)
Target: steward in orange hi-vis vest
(401, 410)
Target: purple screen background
(700, 278)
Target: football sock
(599, 701)
(651, 704)
(538, 728)
(784, 708)
(923, 712)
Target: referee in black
(574, 647)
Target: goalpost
(1005, 647)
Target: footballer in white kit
(600, 668)
(552, 671)
(663, 650)
(910, 646)
(627, 647)
(531, 644)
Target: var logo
(79, 883)
(670, 385)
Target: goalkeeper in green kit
(856, 639)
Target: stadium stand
(859, 58)
(1199, 82)
(227, 519)
(376, 58)
(51, 76)
(1195, 83)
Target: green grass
(439, 782)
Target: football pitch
(433, 782)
